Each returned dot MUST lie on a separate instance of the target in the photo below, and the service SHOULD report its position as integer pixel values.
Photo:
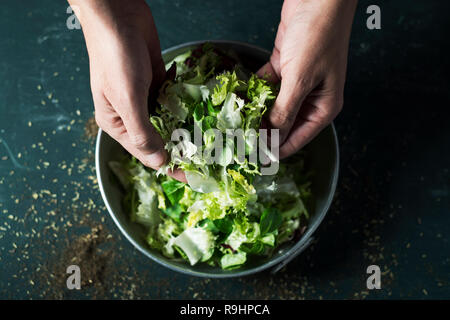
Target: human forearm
(125, 67)
(112, 16)
(310, 59)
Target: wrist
(109, 21)
(110, 14)
(332, 8)
(327, 16)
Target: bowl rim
(271, 263)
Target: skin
(309, 58)
(125, 68)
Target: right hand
(125, 66)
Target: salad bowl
(321, 158)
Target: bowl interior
(321, 157)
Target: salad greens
(228, 211)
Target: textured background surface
(393, 200)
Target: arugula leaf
(224, 225)
(174, 212)
(209, 225)
(174, 190)
(271, 219)
(209, 122)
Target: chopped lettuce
(196, 243)
(227, 211)
(233, 260)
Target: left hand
(310, 59)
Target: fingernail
(157, 159)
(177, 174)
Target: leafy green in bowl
(230, 218)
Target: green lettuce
(227, 211)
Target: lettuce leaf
(227, 211)
(196, 243)
(233, 260)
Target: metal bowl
(322, 157)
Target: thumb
(268, 71)
(142, 136)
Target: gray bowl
(322, 157)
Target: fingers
(292, 93)
(268, 71)
(110, 121)
(177, 174)
(272, 68)
(310, 121)
(130, 129)
(142, 136)
(304, 132)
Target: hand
(125, 65)
(310, 59)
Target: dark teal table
(393, 200)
